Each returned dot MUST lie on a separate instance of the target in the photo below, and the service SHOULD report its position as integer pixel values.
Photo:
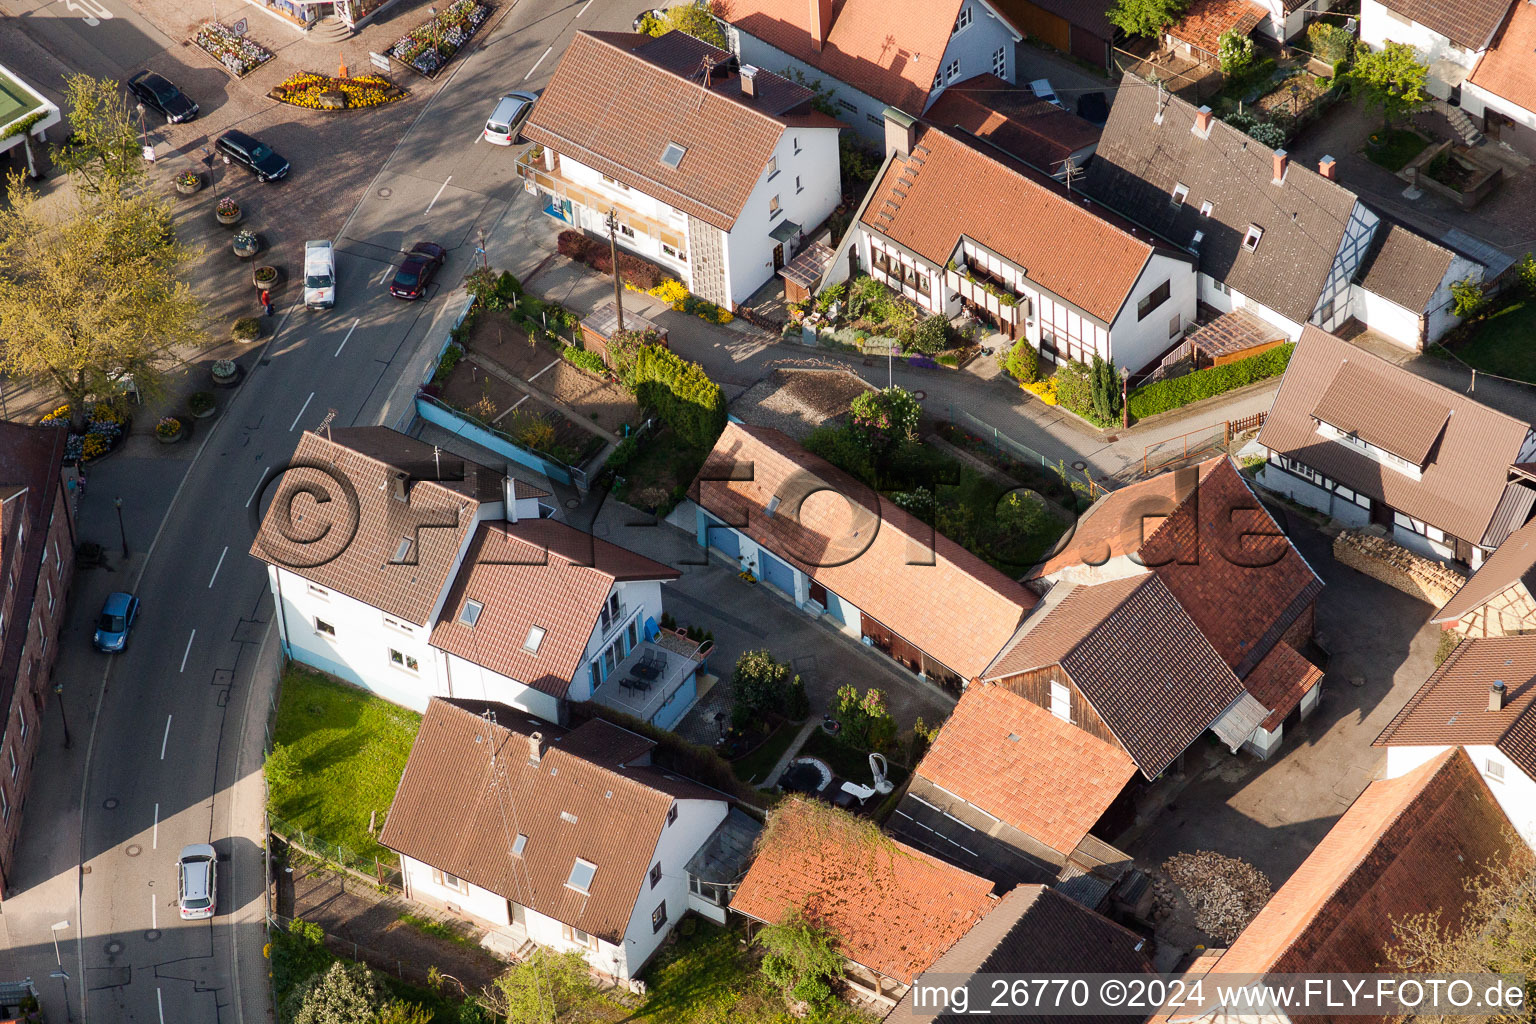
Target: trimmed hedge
(632, 269)
(681, 393)
(1207, 383)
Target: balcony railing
(535, 176)
(974, 292)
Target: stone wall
(1397, 567)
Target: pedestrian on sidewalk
(266, 301)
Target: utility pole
(58, 689)
(613, 249)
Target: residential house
(566, 839)
(815, 535)
(1037, 931)
(1449, 38)
(1366, 441)
(37, 563)
(1408, 845)
(1480, 699)
(941, 227)
(1403, 288)
(1182, 577)
(715, 871)
(712, 168)
(448, 583)
(1502, 88)
(1289, 18)
(1500, 598)
(893, 909)
(1034, 130)
(866, 55)
(1071, 26)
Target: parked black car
(154, 91)
(252, 154)
(421, 263)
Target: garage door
(1051, 29)
(724, 539)
(777, 573)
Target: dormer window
(581, 875)
(534, 639)
(1180, 193)
(1251, 239)
(672, 155)
(471, 613)
(1205, 208)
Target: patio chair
(639, 684)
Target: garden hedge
(1207, 383)
(681, 393)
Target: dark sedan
(155, 92)
(252, 154)
(421, 264)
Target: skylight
(519, 844)
(581, 875)
(471, 613)
(402, 549)
(773, 506)
(535, 637)
(672, 155)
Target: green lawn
(349, 749)
(1505, 343)
(760, 762)
(1396, 146)
(847, 761)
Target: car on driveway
(421, 265)
(159, 94)
(508, 117)
(1041, 87)
(654, 14)
(117, 615)
(319, 274)
(197, 881)
(252, 154)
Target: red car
(421, 264)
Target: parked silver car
(197, 881)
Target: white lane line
(165, 739)
(155, 844)
(478, 138)
(216, 568)
(154, 922)
(354, 325)
(439, 195)
(536, 64)
(160, 1002)
(257, 489)
(301, 412)
(584, 8)
(187, 651)
(385, 276)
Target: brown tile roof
(888, 49)
(1280, 680)
(893, 909)
(1015, 120)
(1036, 930)
(1469, 24)
(1512, 562)
(862, 547)
(1023, 765)
(1206, 21)
(428, 462)
(535, 573)
(1139, 162)
(330, 487)
(1138, 658)
(1234, 332)
(946, 188)
(1404, 267)
(619, 812)
(1451, 708)
(1406, 846)
(617, 100)
(31, 458)
(1464, 479)
(1347, 403)
(1505, 67)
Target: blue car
(116, 620)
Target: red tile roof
(535, 573)
(1015, 120)
(1514, 561)
(1406, 846)
(1279, 682)
(862, 547)
(893, 909)
(469, 788)
(1023, 765)
(1505, 67)
(1206, 21)
(946, 188)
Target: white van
(508, 117)
(319, 275)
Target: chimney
(509, 495)
(900, 132)
(1497, 695)
(748, 80)
(535, 747)
(1327, 168)
(1203, 119)
(1281, 160)
(821, 23)
(398, 486)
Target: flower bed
(238, 54)
(103, 432)
(673, 293)
(305, 88)
(427, 48)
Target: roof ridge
(389, 465)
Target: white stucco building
(1449, 38)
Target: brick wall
(1397, 567)
(1299, 634)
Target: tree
(548, 986)
(101, 153)
(930, 335)
(801, 958)
(1105, 383)
(698, 19)
(93, 295)
(866, 721)
(343, 994)
(1331, 42)
(761, 683)
(886, 416)
(1146, 17)
(1235, 52)
(1023, 362)
(1469, 297)
(1391, 78)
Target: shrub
(1332, 43)
(1074, 388)
(247, 328)
(1470, 298)
(801, 958)
(1234, 51)
(867, 722)
(1022, 362)
(799, 701)
(344, 994)
(451, 356)
(1106, 388)
(199, 402)
(761, 683)
(1268, 134)
(1180, 391)
(622, 455)
(844, 449)
(681, 393)
(829, 295)
(586, 360)
(282, 765)
(531, 430)
(548, 986)
(633, 270)
(885, 417)
(931, 334)
(1525, 273)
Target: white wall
(816, 164)
(1379, 26)
(973, 48)
(1133, 343)
(637, 601)
(864, 113)
(1515, 791)
(642, 243)
(1402, 760)
(1353, 247)
(1442, 305)
(1231, 299)
(679, 841)
(469, 681)
(1387, 317)
(474, 901)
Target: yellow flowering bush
(1045, 390)
(95, 445)
(61, 413)
(305, 88)
(672, 292)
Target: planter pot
(277, 276)
(186, 189)
(170, 440)
(205, 413)
(228, 219)
(245, 252)
(231, 381)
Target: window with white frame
(519, 845)
(15, 768)
(56, 551)
(626, 231)
(324, 628)
(470, 613)
(49, 584)
(534, 639)
(582, 873)
(401, 660)
(1000, 62)
(21, 719)
(1180, 193)
(573, 934)
(674, 252)
(1205, 208)
(1175, 325)
(1495, 770)
(1251, 239)
(5, 805)
(952, 71)
(964, 19)
(450, 881)
(671, 814)
(655, 874)
(615, 183)
(773, 207)
(402, 550)
(1061, 701)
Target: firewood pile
(1225, 892)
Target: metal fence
(1196, 444)
(416, 974)
(370, 868)
(1075, 474)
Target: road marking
(165, 739)
(154, 922)
(478, 138)
(187, 651)
(536, 64)
(257, 489)
(385, 276)
(439, 195)
(160, 1002)
(301, 412)
(584, 8)
(91, 9)
(216, 568)
(155, 843)
(354, 326)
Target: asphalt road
(173, 751)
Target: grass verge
(1392, 148)
(1501, 344)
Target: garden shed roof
(1206, 21)
(1014, 120)
(1404, 267)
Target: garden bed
(105, 432)
(1393, 148)
(753, 766)
(315, 91)
(429, 47)
(239, 55)
(529, 422)
(847, 761)
(657, 476)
